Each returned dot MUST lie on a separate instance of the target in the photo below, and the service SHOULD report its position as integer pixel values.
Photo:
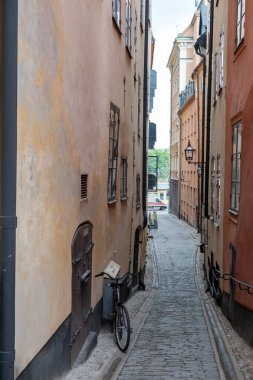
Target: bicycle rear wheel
(122, 328)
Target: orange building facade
(190, 114)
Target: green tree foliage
(163, 163)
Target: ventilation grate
(84, 186)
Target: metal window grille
(113, 152)
(236, 166)
(141, 14)
(116, 12)
(123, 180)
(128, 24)
(138, 190)
(84, 186)
(135, 28)
(216, 76)
(217, 214)
(240, 24)
(221, 58)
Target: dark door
(136, 257)
(232, 285)
(81, 288)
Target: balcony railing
(185, 95)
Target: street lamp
(189, 150)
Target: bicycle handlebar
(117, 278)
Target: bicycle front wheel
(122, 328)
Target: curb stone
(227, 363)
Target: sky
(169, 17)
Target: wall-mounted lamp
(189, 151)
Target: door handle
(85, 277)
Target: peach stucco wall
(72, 62)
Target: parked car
(154, 203)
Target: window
(123, 179)
(212, 185)
(113, 153)
(139, 105)
(236, 166)
(135, 28)
(221, 58)
(128, 25)
(240, 25)
(217, 213)
(116, 12)
(138, 190)
(142, 14)
(216, 76)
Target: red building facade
(238, 181)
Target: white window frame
(116, 12)
(236, 167)
(240, 21)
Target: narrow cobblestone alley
(174, 342)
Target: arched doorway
(81, 250)
(136, 257)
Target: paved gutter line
(112, 369)
(226, 361)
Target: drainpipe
(8, 220)
(208, 118)
(195, 72)
(179, 166)
(145, 112)
(198, 51)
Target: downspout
(145, 112)
(179, 164)
(202, 137)
(8, 218)
(170, 191)
(195, 72)
(208, 118)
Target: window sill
(216, 224)
(233, 212)
(123, 199)
(83, 200)
(129, 52)
(138, 206)
(112, 202)
(239, 49)
(117, 26)
(233, 216)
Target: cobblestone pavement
(174, 342)
(170, 338)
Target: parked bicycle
(120, 316)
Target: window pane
(243, 7)
(239, 7)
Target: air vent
(84, 186)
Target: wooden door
(81, 288)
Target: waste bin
(107, 301)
